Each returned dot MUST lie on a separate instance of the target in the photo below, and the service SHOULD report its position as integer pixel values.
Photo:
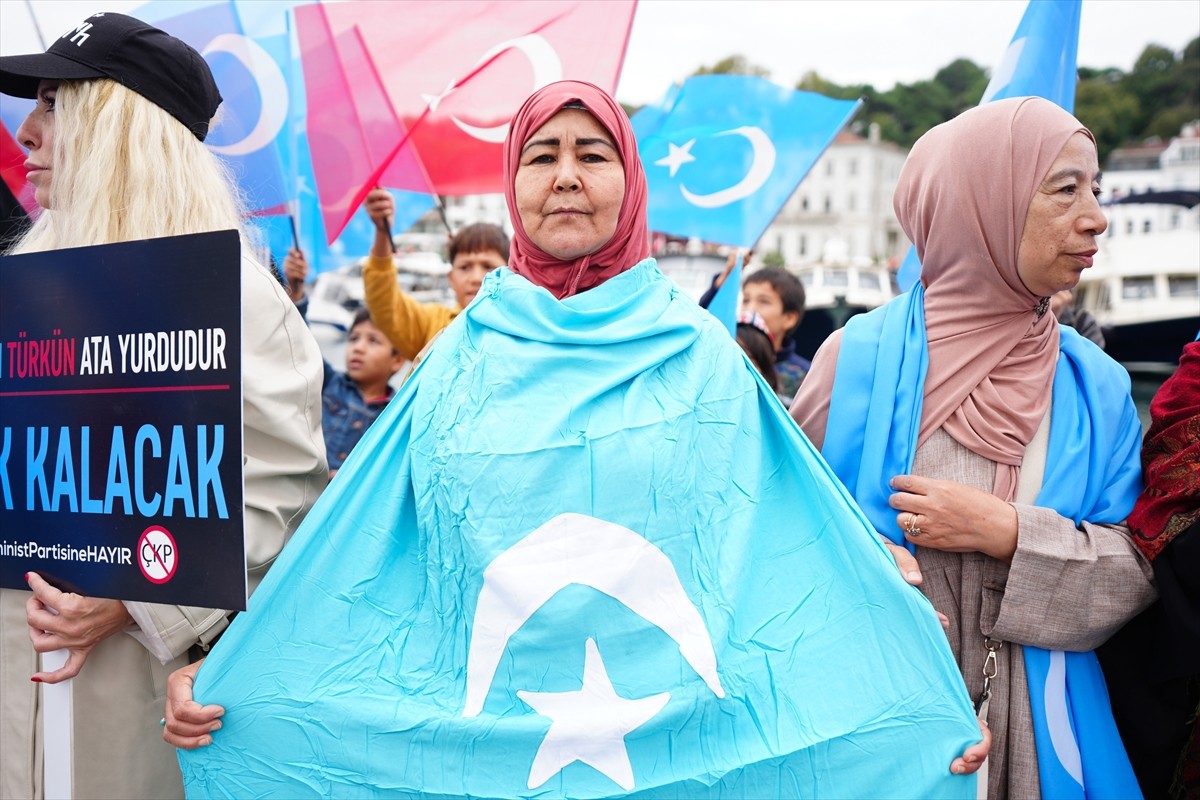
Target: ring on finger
(911, 526)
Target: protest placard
(121, 420)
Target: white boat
(835, 292)
(1144, 284)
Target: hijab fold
(991, 354)
(630, 243)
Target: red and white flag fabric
(353, 131)
(455, 73)
(12, 171)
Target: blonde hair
(124, 169)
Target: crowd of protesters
(951, 390)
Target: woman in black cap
(116, 154)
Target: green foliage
(734, 65)
(1155, 98)
(1110, 110)
(812, 82)
(773, 259)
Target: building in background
(842, 211)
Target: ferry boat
(1144, 284)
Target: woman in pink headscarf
(996, 447)
(576, 190)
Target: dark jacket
(346, 414)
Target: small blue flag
(724, 304)
(723, 153)
(584, 553)
(1039, 62)
(251, 71)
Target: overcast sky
(880, 42)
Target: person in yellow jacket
(475, 251)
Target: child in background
(350, 400)
(778, 297)
(755, 339)
(475, 251)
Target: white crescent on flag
(754, 179)
(272, 90)
(547, 68)
(578, 549)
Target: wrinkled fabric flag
(585, 553)
(723, 153)
(1040, 62)
(455, 73)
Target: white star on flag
(589, 725)
(677, 156)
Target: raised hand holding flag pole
(1040, 62)
(353, 130)
(724, 303)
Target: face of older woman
(1063, 221)
(37, 135)
(569, 185)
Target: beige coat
(118, 697)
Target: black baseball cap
(166, 71)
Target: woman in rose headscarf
(1001, 449)
(584, 552)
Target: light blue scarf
(1093, 472)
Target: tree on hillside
(811, 81)
(965, 80)
(734, 65)
(1155, 81)
(1108, 109)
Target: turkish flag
(455, 73)
(12, 170)
(353, 131)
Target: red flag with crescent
(453, 75)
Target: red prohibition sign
(157, 555)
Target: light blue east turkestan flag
(1039, 62)
(250, 133)
(584, 553)
(723, 153)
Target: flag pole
(37, 28)
(441, 207)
